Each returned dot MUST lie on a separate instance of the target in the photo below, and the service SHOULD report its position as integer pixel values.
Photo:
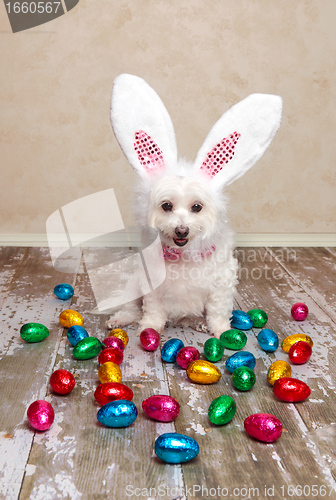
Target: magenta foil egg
(186, 355)
(113, 342)
(150, 339)
(299, 311)
(40, 415)
(263, 426)
(161, 407)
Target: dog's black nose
(182, 231)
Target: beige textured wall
(201, 56)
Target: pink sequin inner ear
(221, 154)
(149, 154)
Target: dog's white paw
(219, 326)
(121, 318)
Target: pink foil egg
(299, 311)
(161, 407)
(40, 415)
(186, 355)
(263, 426)
(150, 339)
(114, 342)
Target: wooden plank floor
(77, 458)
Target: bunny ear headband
(146, 135)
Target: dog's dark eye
(167, 207)
(197, 207)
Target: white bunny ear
(142, 125)
(239, 138)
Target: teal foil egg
(170, 350)
(222, 410)
(233, 339)
(34, 332)
(76, 333)
(259, 317)
(243, 378)
(175, 448)
(213, 350)
(120, 413)
(243, 358)
(268, 340)
(64, 291)
(241, 320)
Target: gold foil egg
(69, 318)
(203, 372)
(287, 343)
(121, 334)
(277, 370)
(109, 372)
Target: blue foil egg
(176, 448)
(119, 413)
(243, 358)
(241, 320)
(64, 291)
(76, 333)
(170, 350)
(268, 340)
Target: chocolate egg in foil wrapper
(112, 391)
(203, 372)
(186, 355)
(76, 333)
(62, 381)
(233, 339)
(299, 311)
(170, 350)
(64, 291)
(277, 370)
(40, 415)
(149, 339)
(242, 358)
(109, 372)
(300, 352)
(175, 448)
(287, 343)
(111, 354)
(243, 378)
(161, 407)
(87, 348)
(291, 390)
(119, 413)
(34, 332)
(268, 340)
(264, 427)
(69, 317)
(120, 334)
(213, 350)
(241, 320)
(259, 317)
(113, 342)
(222, 410)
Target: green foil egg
(222, 410)
(213, 350)
(243, 378)
(34, 332)
(233, 339)
(258, 317)
(87, 348)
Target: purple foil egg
(186, 355)
(40, 415)
(114, 342)
(150, 339)
(161, 407)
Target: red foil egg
(300, 352)
(264, 427)
(161, 407)
(291, 390)
(114, 342)
(40, 415)
(111, 391)
(62, 381)
(111, 354)
(186, 355)
(150, 339)
(299, 311)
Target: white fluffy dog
(185, 202)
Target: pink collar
(175, 253)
